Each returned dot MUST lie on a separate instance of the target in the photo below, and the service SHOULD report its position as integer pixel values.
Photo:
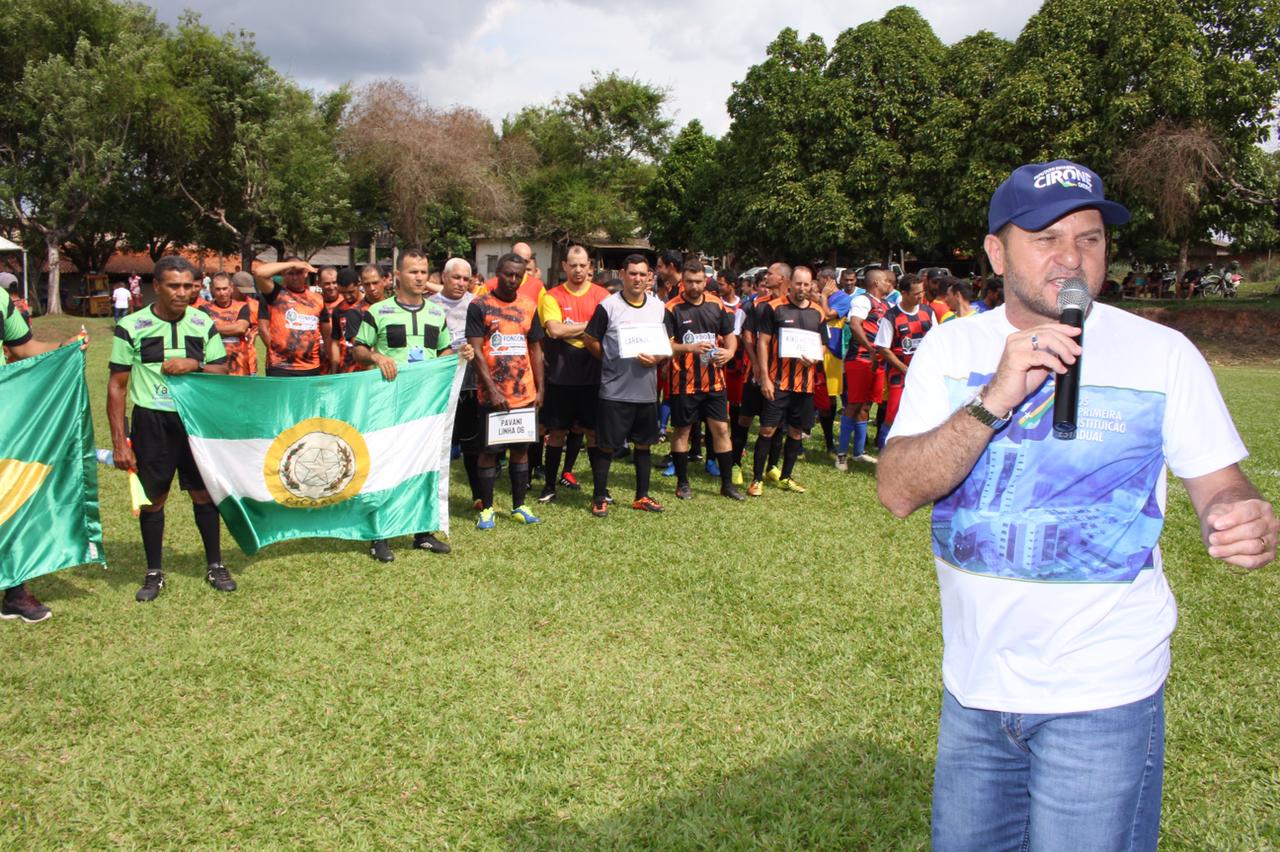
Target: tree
(91, 77)
(585, 159)
(680, 189)
(417, 164)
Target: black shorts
(689, 408)
(285, 372)
(619, 422)
(161, 447)
(464, 419)
(479, 441)
(566, 406)
(752, 401)
(789, 408)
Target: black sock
(471, 463)
(207, 522)
(695, 440)
(775, 450)
(152, 525)
(519, 483)
(644, 467)
(487, 477)
(600, 462)
(794, 445)
(738, 436)
(828, 421)
(725, 460)
(13, 593)
(682, 467)
(572, 447)
(553, 464)
(759, 457)
(535, 455)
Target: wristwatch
(975, 408)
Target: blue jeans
(1066, 781)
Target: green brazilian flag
(48, 469)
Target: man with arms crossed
(1056, 614)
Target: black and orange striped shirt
(789, 374)
(708, 321)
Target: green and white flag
(48, 469)
(346, 456)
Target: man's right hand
(386, 365)
(124, 457)
(766, 388)
(1028, 359)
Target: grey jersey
(625, 379)
(455, 319)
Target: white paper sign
(643, 339)
(517, 426)
(798, 343)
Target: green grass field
(723, 675)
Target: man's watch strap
(979, 411)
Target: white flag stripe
(395, 454)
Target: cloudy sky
(500, 55)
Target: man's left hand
(179, 366)
(1242, 533)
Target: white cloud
(500, 55)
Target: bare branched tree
(1171, 167)
(421, 155)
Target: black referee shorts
(466, 420)
(161, 447)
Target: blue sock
(846, 433)
(882, 436)
(859, 437)
(664, 415)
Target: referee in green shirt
(168, 338)
(403, 330)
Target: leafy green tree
(681, 187)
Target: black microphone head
(1074, 294)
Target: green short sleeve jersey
(143, 342)
(16, 331)
(404, 334)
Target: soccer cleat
(713, 468)
(670, 469)
(736, 475)
(731, 492)
(868, 458)
(151, 586)
(791, 485)
(608, 498)
(842, 461)
(646, 504)
(599, 508)
(522, 514)
(380, 549)
(755, 489)
(477, 504)
(219, 577)
(773, 474)
(548, 494)
(684, 491)
(428, 541)
(485, 521)
(24, 605)
(568, 480)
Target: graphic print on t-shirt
(1037, 508)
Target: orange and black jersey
(789, 374)
(506, 330)
(708, 321)
(294, 323)
(236, 345)
(346, 318)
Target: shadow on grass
(838, 794)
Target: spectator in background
(120, 300)
(959, 298)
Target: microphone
(1073, 304)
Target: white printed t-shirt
(1054, 598)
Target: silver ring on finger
(1035, 343)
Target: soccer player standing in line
(901, 329)
(785, 383)
(504, 330)
(863, 378)
(168, 338)
(573, 375)
(405, 330)
(231, 319)
(628, 408)
(702, 340)
(345, 318)
(298, 323)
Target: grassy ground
(719, 676)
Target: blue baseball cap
(1038, 194)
